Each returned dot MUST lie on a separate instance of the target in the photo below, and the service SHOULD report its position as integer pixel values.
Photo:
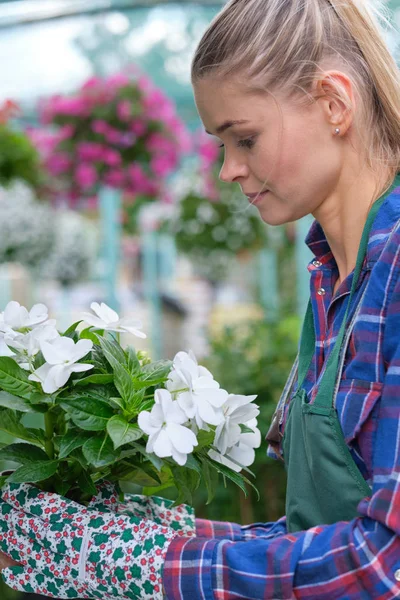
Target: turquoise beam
(167, 254)
(268, 283)
(152, 292)
(303, 257)
(110, 213)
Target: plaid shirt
(356, 560)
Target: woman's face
(287, 149)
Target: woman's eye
(249, 143)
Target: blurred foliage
(18, 159)
(253, 358)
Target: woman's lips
(257, 198)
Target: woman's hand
(180, 518)
(6, 562)
(68, 550)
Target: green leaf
(132, 361)
(71, 330)
(87, 334)
(193, 463)
(112, 351)
(204, 438)
(70, 441)
(23, 453)
(40, 398)
(153, 374)
(210, 477)
(121, 432)
(13, 379)
(155, 460)
(124, 384)
(10, 401)
(61, 487)
(10, 424)
(3, 480)
(237, 478)
(86, 484)
(99, 453)
(88, 413)
(100, 378)
(33, 472)
(245, 429)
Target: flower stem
(49, 430)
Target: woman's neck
(343, 215)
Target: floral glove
(180, 518)
(70, 551)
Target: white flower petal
(179, 457)
(206, 383)
(243, 454)
(208, 414)
(134, 331)
(245, 413)
(81, 349)
(162, 445)
(93, 321)
(40, 374)
(223, 460)
(80, 367)
(106, 314)
(60, 374)
(185, 401)
(57, 351)
(144, 422)
(182, 438)
(175, 414)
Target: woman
(305, 97)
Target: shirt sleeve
(354, 560)
(233, 531)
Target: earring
(337, 131)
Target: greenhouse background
(188, 258)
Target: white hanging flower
(237, 410)
(109, 320)
(243, 451)
(16, 317)
(61, 355)
(164, 426)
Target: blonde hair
(282, 44)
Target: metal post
(110, 211)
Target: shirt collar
(385, 220)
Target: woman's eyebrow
(226, 126)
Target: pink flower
(124, 110)
(91, 83)
(138, 127)
(111, 157)
(100, 126)
(115, 178)
(162, 165)
(85, 176)
(118, 80)
(113, 136)
(58, 163)
(90, 151)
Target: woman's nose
(232, 170)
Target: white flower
(237, 410)
(16, 317)
(202, 397)
(109, 320)
(61, 355)
(242, 451)
(4, 349)
(28, 344)
(164, 426)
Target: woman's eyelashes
(248, 143)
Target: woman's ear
(335, 94)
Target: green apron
(324, 484)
